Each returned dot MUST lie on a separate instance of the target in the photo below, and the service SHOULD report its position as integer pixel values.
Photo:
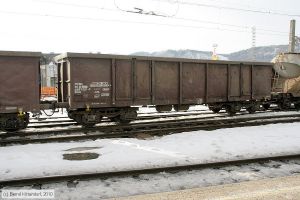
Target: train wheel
(230, 109)
(215, 110)
(85, 119)
(178, 108)
(14, 122)
(251, 109)
(266, 106)
(113, 119)
(284, 105)
(297, 106)
(163, 108)
(125, 117)
(11, 125)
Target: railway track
(136, 172)
(65, 121)
(171, 113)
(150, 128)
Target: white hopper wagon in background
(287, 65)
(286, 82)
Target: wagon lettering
(96, 96)
(80, 87)
(99, 84)
(104, 94)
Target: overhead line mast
(292, 39)
(253, 42)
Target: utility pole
(292, 40)
(253, 42)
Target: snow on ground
(153, 110)
(62, 112)
(163, 182)
(33, 160)
(49, 98)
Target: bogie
(163, 108)
(216, 108)
(13, 121)
(91, 117)
(178, 108)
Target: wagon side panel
(19, 88)
(124, 82)
(166, 83)
(142, 80)
(246, 82)
(217, 82)
(90, 82)
(261, 81)
(234, 90)
(193, 83)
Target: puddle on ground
(82, 148)
(80, 156)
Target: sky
(114, 26)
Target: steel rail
(136, 172)
(101, 127)
(152, 128)
(141, 116)
(70, 122)
(44, 119)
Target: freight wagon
(286, 83)
(19, 88)
(94, 86)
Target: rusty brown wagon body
(109, 85)
(19, 88)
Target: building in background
(48, 75)
(48, 80)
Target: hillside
(180, 54)
(264, 53)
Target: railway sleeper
(11, 122)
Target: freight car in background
(286, 81)
(19, 88)
(94, 86)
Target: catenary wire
(134, 22)
(173, 16)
